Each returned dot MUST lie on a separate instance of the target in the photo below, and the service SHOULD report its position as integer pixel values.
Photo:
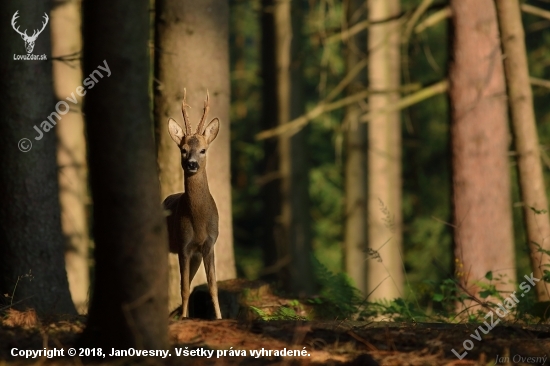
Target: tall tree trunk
(275, 261)
(531, 179)
(192, 41)
(299, 220)
(129, 301)
(167, 90)
(483, 234)
(31, 239)
(356, 166)
(71, 150)
(385, 267)
(288, 242)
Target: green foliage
(399, 310)
(537, 40)
(540, 249)
(538, 212)
(246, 152)
(324, 67)
(338, 298)
(248, 261)
(446, 289)
(490, 289)
(427, 239)
(546, 273)
(281, 313)
(326, 212)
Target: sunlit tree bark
(385, 266)
(355, 169)
(167, 91)
(192, 52)
(531, 179)
(483, 234)
(71, 149)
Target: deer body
(193, 219)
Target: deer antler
(35, 35)
(15, 16)
(204, 114)
(185, 116)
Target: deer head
(193, 147)
(29, 40)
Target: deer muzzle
(192, 166)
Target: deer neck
(197, 192)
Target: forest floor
(251, 341)
(325, 343)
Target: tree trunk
(385, 267)
(129, 301)
(483, 234)
(299, 221)
(275, 261)
(531, 179)
(356, 162)
(288, 222)
(31, 239)
(71, 151)
(167, 105)
(192, 41)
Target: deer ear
(211, 131)
(176, 132)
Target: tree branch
(348, 33)
(346, 80)
(419, 11)
(433, 19)
(297, 124)
(345, 34)
(445, 13)
(540, 82)
(530, 9)
(410, 100)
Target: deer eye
(203, 151)
(183, 151)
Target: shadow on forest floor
(326, 343)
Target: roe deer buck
(193, 221)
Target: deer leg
(185, 282)
(210, 267)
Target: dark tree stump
(234, 296)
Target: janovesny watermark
(505, 360)
(502, 309)
(62, 107)
(180, 352)
(29, 40)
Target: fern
(282, 313)
(339, 299)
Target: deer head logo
(29, 40)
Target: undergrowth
(338, 299)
